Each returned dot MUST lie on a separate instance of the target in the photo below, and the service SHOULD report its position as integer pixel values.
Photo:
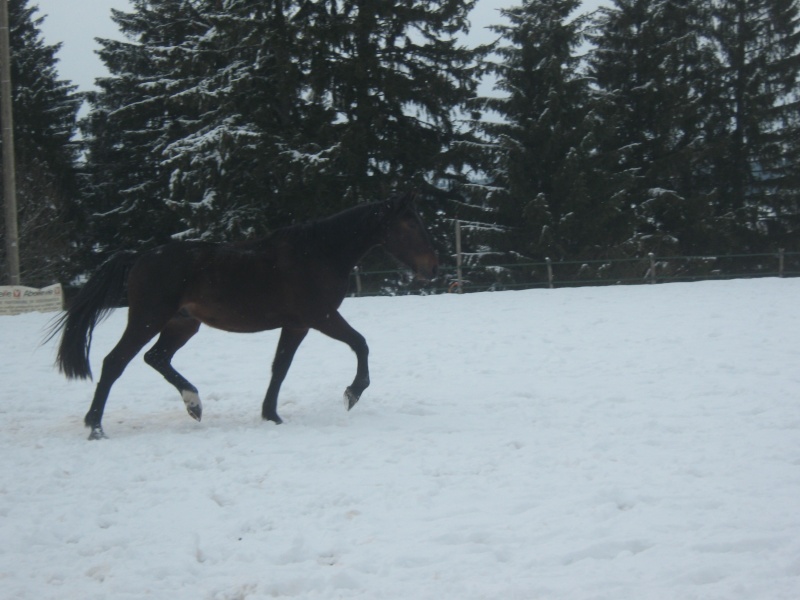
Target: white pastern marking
(191, 399)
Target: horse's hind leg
(134, 338)
(175, 334)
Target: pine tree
(543, 168)
(395, 75)
(204, 122)
(137, 113)
(250, 159)
(757, 168)
(225, 118)
(45, 110)
(655, 65)
(393, 79)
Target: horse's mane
(348, 222)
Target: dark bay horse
(295, 279)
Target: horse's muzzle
(428, 269)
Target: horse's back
(235, 287)
(246, 287)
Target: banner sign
(16, 299)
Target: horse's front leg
(336, 327)
(287, 345)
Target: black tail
(98, 297)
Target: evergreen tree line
(45, 123)
(670, 126)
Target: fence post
(459, 281)
(652, 267)
(781, 257)
(549, 272)
(357, 271)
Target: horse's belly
(241, 320)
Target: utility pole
(9, 170)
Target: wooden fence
(461, 277)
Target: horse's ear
(403, 201)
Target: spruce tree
(543, 170)
(45, 109)
(139, 110)
(225, 118)
(205, 121)
(394, 75)
(757, 168)
(252, 158)
(655, 65)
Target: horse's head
(407, 239)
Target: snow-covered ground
(599, 443)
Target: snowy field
(619, 443)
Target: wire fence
(649, 269)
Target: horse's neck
(348, 236)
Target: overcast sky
(76, 24)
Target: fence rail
(649, 269)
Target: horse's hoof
(350, 399)
(193, 405)
(274, 418)
(97, 433)
(196, 412)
